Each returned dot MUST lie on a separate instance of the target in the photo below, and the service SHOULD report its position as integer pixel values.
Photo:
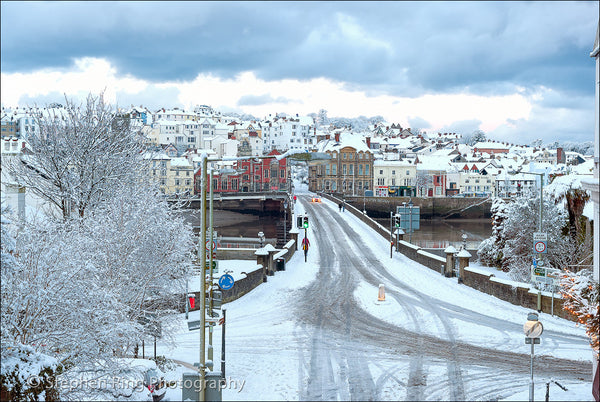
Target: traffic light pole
(391, 234)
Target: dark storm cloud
(402, 48)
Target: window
(381, 182)
(380, 171)
(344, 169)
(334, 170)
(224, 185)
(408, 172)
(327, 170)
(393, 172)
(360, 170)
(367, 170)
(176, 182)
(188, 182)
(177, 173)
(351, 172)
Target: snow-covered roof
(346, 140)
(180, 162)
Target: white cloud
(506, 115)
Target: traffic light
(305, 222)
(397, 220)
(299, 221)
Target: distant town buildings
(383, 160)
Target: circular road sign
(226, 282)
(533, 329)
(540, 246)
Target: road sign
(193, 325)
(533, 329)
(226, 282)
(214, 245)
(540, 247)
(540, 242)
(215, 265)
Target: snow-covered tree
(510, 246)
(79, 153)
(86, 290)
(475, 137)
(581, 294)
(490, 250)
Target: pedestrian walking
(340, 206)
(305, 245)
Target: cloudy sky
(516, 70)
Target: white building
(394, 178)
(285, 133)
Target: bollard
(539, 301)
(381, 296)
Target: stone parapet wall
(517, 293)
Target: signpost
(226, 282)
(215, 265)
(540, 242)
(533, 329)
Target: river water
(432, 233)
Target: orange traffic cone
(381, 296)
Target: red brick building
(253, 175)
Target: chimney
(337, 136)
(560, 155)
(368, 139)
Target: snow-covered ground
(264, 342)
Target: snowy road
(317, 332)
(328, 306)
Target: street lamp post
(410, 207)
(261, 239)
(285, 206)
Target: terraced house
(350, 169)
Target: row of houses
(357, 168)
(383, 160)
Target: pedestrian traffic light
(397, 220)
(299, 221)
(305, 222)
